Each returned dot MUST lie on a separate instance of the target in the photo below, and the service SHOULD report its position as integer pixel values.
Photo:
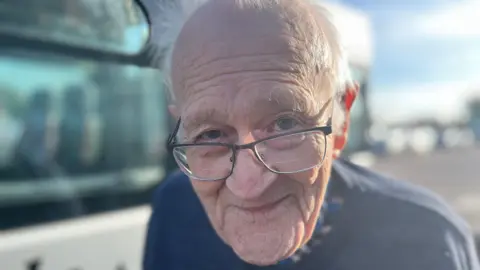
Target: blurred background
(425, 96)
(83, 118)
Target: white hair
(174, 14)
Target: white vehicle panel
(111, 241)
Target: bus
(83, 125)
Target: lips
(263, 207)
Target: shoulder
(179, 230)
(405, 222)
(175, 201)
(175, 187)
(372, 187)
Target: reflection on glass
(109, 25)
(77, 137)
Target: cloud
(436, 43)
(461, 19)
(441, 101)
(458, 20)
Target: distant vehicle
(474, 122)
(92, 121)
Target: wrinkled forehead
(245, 60)
(252, 105)
(221, 31)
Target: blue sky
(426, 50)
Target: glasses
(285, 153)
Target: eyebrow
(282, 100)
(301, 102)
(205, 115)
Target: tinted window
(77, 137)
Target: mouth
(264, 207)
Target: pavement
(452, 173)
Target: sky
(427, 56)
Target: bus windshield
(107, 25)
(76, 137)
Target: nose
(250, 178)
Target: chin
(266, 248)
(260, 261)
(263, 258)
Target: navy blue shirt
(383, 224)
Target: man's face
(237, 83)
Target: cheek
(207, 191)
(208, 194)
(313, 186)
(314, 178)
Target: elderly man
(262, 95)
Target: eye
(284, 124)
(210, 135)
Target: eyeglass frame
(171, 144)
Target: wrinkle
(283, 58)
(240, 76)
(203, 81)
(230, 57)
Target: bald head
(289, 30)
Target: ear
(173, 111)
(340, 140)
